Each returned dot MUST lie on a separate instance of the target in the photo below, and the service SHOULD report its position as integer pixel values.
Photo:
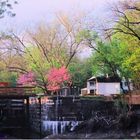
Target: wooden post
(27, 116)
(39, 100)
(27, 109)
(56, 107)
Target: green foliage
(34, 58)
(130, 50)
(85, 35)
(128, 22)
(128, 34)
(133, 63)
(80, 71)
(82, 35)
(108, 59)
(6, 76)
(121, 105)
(13, 79)
(98, 98)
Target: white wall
(90, 87)
(108, 88)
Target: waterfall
(59, 127)
(73, 125)
(53, 126)
(51, 120)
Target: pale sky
(31, 12)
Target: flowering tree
(27, 79)
(58, 78)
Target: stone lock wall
(57, 114)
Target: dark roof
(105, 79)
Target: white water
(53, 126)
(58, 127)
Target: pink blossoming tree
(57, 78)
(27, 79)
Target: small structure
(65, 91)
(14, 108)
(103, 85)
(83, 91)
(125, 84)
(4, 84)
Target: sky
(31, 12)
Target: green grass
(92, 97)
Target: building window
(93, 91)
(92, 83)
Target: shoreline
(97, 135)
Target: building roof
(93, 77)
(105, 79)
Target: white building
(103, 86)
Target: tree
(58, 40)
(128, 19)
(9, 58)
(101, 51)
(51, 46)
(127, 31)
(110, 59)
(130, 47)
(58, 78)
(6, 8)
(80, 71)
(27, 79)
(102, 60)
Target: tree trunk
(128, 85)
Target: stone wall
(61, 114)
(34, 114)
